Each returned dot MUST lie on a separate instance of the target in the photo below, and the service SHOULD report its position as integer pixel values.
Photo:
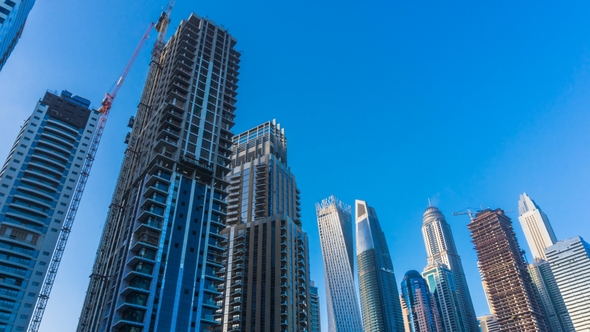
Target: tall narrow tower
(266, 274)
(13, 16)
(419, 307)
(378, 289)
(36, 188)
(335, 225)
(504, 271)
(440, 248)
(161, 248)
(535, 224)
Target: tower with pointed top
(378, 288)
(440, 248)
(335, 226)
(535, 224)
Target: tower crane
(102, 270)
(64, 234)
(472, 214)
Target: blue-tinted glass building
(13, 15)
(380, 306)
(418, 305)
(37, 184)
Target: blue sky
(464, 103)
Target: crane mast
(102, 270)
(64, 234)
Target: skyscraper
(161, 248)
(13, 15)
(535, 224)
(441, 284)
(378, 289)
(440, 247)
(36, 187)
(504, 271)
(556, 313)
(335, 226)
(419, 306)
(570, 263)
(488, 323)
(266, 286)
(314, 311)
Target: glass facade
(419, 307)
(13, 15)
(37, 184)
(379, 295)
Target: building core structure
(37, 183)
(161, 248)
(458, 312)
(266, 274)
(536, 227)
(336, 233)
(570, 263)
(381, 310)
(13, 16)
(504, 271)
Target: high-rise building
(419, 307)
(161, 248)
(440, 247)
(570, 263)
(335, 226)
(380, 306)
(13, 15)
(441, 284)
(488, 323)
(314, 311)
(504, 271)
(535, 224)
(556, 313)
(266, 286)
(37, 184)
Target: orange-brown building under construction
(503, 268)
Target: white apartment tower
(535, 224)
(335, 225)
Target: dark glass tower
(504, 271)
(266, 274)
(419, 308)
(13, 16)
(378, 289)
(157, 262)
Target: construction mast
(64, 234)
(102, 269)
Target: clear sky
(392, 102)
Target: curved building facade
(380, 307)
(419, 307)
(335, 225)
(440, 248)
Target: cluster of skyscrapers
(205, 233)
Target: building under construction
(504, 271)
(157, 262)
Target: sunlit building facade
(336, 239)
(37, 184)
(536, 227)
(440, 281)
(570, 263)
(158, 260)
(441, 248)
(13, 15)
(504, 271)
(266, 275)
(381, 310)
